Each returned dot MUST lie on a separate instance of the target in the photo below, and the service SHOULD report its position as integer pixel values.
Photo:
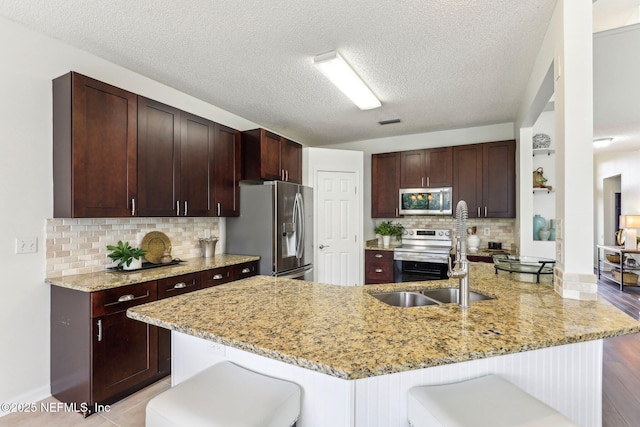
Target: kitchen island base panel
(568, 378)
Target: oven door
(417, 271)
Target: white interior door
(337, 242)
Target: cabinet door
(196, 141)
(125, 353)
(291, 160)
(467, 178)
(499, 179)
(270, 167)
(226, 172)
(413, 169)
(158, 158)
(439, 164)
(94, 155)
(385, 185)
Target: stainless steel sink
(452, 295)
(404, 299)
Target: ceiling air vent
(389, 122)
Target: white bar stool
(488, 401)
(226, 395)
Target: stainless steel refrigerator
(276, 223)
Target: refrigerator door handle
(298, 217)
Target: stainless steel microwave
(425, 201)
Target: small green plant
(123, 253)
(386, 228)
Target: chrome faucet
(461, 268)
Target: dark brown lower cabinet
(124, 355)
(378, 267)
(99, 355)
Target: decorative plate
(541, 140)
(155, 243)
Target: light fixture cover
(334, 67)
(602, 142)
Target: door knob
(323, 246)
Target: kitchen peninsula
(356, 357)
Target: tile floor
(128, 412)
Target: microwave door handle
(441, 200)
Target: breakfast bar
(355, 357)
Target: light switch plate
(26, 245)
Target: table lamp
(630, 224)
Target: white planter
(385, 241)
(136, 264)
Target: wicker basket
(629, 278)
(613, 258)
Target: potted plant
(127, 257)
(386, 229)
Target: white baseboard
(33, 396)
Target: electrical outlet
(26, 245)
(487, 231)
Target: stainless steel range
(423, 255)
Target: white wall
(29, 62)
(499, 132)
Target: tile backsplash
(500, 229)
(78, 246)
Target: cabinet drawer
(378, 266)
(177, 285)
(118, 299)
(216, 276)
(245, 270)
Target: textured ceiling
(435, 64)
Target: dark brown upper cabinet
(94, 149)
(385, 183)
(224, 187)
(173, 161)
(268, 156)
(484, 177)
(426, 168)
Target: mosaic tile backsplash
(500, 229)
(78, 246)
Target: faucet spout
(461, 268)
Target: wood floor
(621, 367)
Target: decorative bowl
(541, 140)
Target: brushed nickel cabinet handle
(378, 255)
(478, 211)
(125, 298)
(246, 270)
(422, 181)
(99, 330)
(133, 207)
(217, 277)
(428, 181)
(287, 171)
(485, 211)
(379, 270)
(218, 208)
(177, 208)
(185, 208)
(180, 285)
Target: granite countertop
(344, 332)
(112, 279)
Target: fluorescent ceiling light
(602, 142)
(342, 75)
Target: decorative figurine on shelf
(539, 180)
